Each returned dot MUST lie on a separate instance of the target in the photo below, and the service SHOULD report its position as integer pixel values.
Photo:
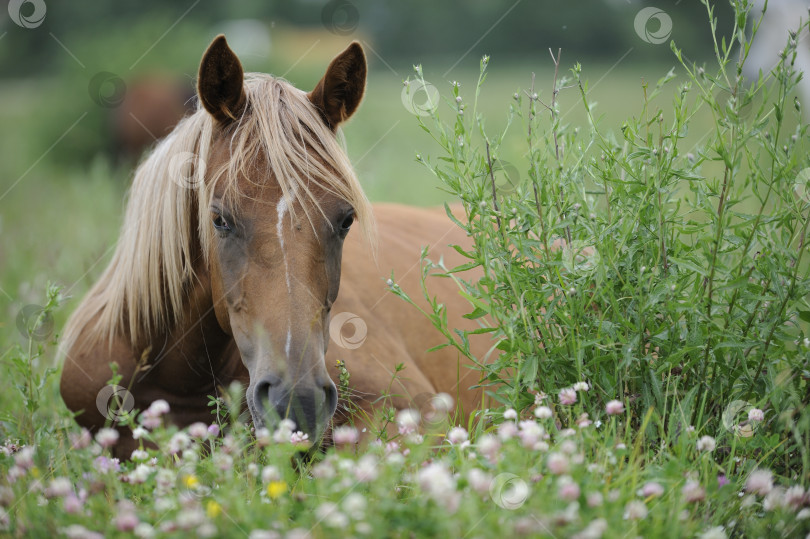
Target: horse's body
(197, 297)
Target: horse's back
(397, 333)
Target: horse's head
(281, 200)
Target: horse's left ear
(341, 89)
(220, 82)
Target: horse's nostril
(262, 392)
(330, 390)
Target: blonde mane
(144, 286)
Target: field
(656, 388)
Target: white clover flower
(107, 437)
(198, 430)
(614, 407)
(457, 435)
(479, 480)
(510, 414)
(759, 482)
(408, 421)
(635, 510)
(717, 532)
(582, 386)
(652, 489)
(706, 444)
(543, 412)
(755, 414)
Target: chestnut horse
(235, 240)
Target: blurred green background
(63, 179)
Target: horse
(234, 253)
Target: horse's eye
(347, 223)
(221, 224)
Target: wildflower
(510, 414)
(144, 530)
(557, 463)
(583, 420)
(212, 509)
(299, 438)
(539, 398)
(213, 430)
(542, 412)
(284, 431)
(614, 407)
(457, 435)
(140, 474)
(270, 473)
(774, 499)
(635, 510)
(158, 408)
(568, 396)
(581, 386)
(77, 531)
(104, 464)
(24, 458)
(594, 530)
(72, 504)
(59, 487)
(345, 435)
(794, 497)
(755, 414)
(489, 446)
(804, 514)
(651, 489)
(223, 461)
(408, 421)
(759, 482)
(366, 469)
(531, 435)
(717, 532)
(139, 432)
(81, 440)
(139, 454)
(507, 430)
(355, 505)
(693, 492)
(276, 488)
(437, 481)
(178, 442)
(198, 430)
(707, 444)
(722, 480)
(330, 515)
(594, 499)
(479, 480)
(190, 518)
(568, 489)
(126, 519)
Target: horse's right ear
(220, 83)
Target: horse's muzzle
(309, 406)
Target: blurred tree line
(402, 32)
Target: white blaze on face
(281, 212)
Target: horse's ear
(341, 89)
(220, 82)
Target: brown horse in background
(235, 241)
